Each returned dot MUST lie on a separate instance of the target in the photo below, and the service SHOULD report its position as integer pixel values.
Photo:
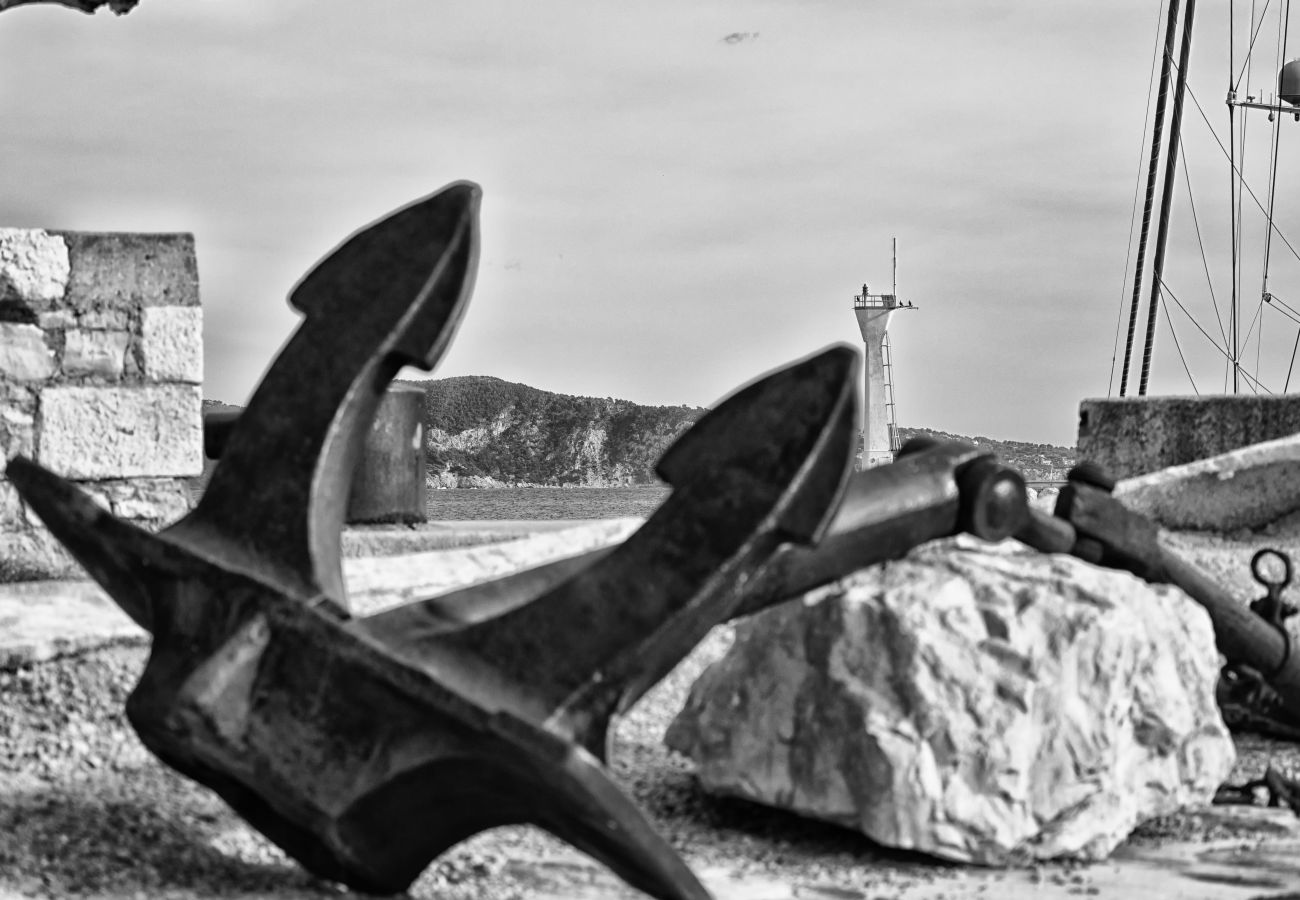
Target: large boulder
(981, 704)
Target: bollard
(388, 484)
(216, 431)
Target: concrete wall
(101, 361)
(1136, 435)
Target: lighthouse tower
(879, 429)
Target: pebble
(86, 811)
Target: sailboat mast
(1153, 167)
(1233, 178)
(1171, 165)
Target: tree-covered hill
(485, 432)
(479, 427)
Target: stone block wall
(101, 363)
(1132, 436)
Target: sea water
(545, 503)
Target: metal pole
(1152, 168)
(895, 267)
(1232, 187)
(1166, 199)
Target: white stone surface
(104, 318)
(31, 554)
(48, 619)
(989, 707)
(159, 501)
(121, 432)
(17, 432)
(94, 352)
(56, 319)
(380, 583)
(1245, 488)
(172, 338)
(33, 266)
(24, 355)
(11, 507)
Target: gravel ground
(86, 811)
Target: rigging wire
(1164, 289)
(1251, 330)
(1282, 237)
(1258, 25)
(1287, 310)
(1137, 188)
(1213, 343)
(1205, 263)
(1173, 334)
(1294, 348)
(1277, 136)
(1276, 120)
(1275, 300)
(1246, 69)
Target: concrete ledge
(1136, 435)
(394, 540)
(1246, 488)
(44, 620)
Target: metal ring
(1261, 578)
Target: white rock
(121, 432)
(33, 266)
(11, 508)
(94, 352)
(172, 339)
(24, 355)
(988, 707)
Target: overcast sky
(678, 196)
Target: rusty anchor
(362, 753)
(934, 489)
(1093, 525)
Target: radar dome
(1288, 83)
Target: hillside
(485, 432)
(481, 430)
(1037, 462)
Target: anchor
(365, 755)
(366, 747)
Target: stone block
(56, 320)
(125, 270)
(17, 432)
(172, 343)
(1247, 488)
(105, 319)
(34, 267)
(34, 555)
(95, 353)
(11, 508)
(150, 501)
(121, 432)
(24, 355)
(1136, 435)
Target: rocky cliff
(484, 432)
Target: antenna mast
(895, 291)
